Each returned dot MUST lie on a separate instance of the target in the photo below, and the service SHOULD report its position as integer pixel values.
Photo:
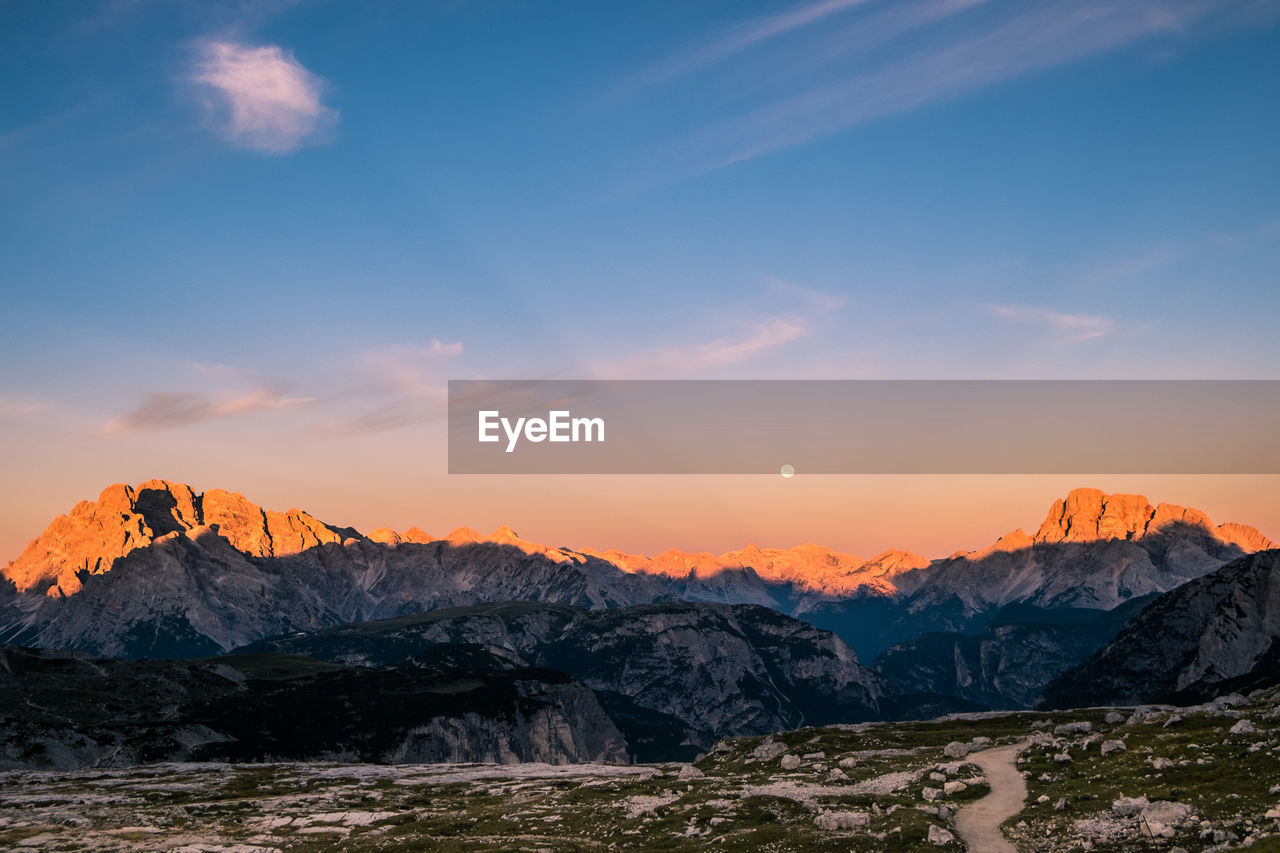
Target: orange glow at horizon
(933, 516)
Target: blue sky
(283, 225)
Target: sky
(244, 244)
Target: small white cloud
(263, 97)
(1074, 327)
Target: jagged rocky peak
(1088, 515)
(123, 518)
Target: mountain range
(677, 649)
(161, 570)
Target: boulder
(1110, 746)
(1162, 818)
(769, 750)
(1244, 727)
(940, 837)
(790, 762)
(832, 821)
(1129, 806)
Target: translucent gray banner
(864, 426)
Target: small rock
(931, 794)
(1114, 717)
(1161, 763)
(689, 772)
(1081, 728)
(814, 756)
(938, 777)
(837, 775)
(1060, 805)
(940, 837)
(1273, 814)
(1062, 758)
(1173, 719)
(790, 762)
(956, 749)
(1110, 746)
(980, 740)
(953, 788)
(1043, 798)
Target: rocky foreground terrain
(1151, 778)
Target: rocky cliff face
(675, 677)
(71, 710)
(1216, 633)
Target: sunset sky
(244, 245)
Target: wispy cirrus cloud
(929, 62)
(408, 383)
(733, 42)
(1069, 327)
(14, 407)
(261, 96)
(173, 409)
(684, 360)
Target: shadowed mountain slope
(1218, 633)
(676, 677)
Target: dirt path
(979, 823)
